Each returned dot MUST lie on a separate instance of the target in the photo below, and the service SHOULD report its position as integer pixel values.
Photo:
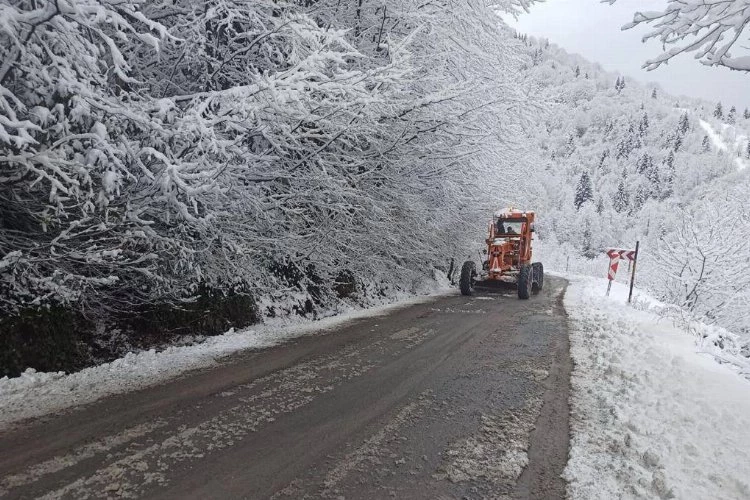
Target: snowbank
(35, 393)
(653, 415)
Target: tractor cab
(509, 226)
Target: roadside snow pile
(652, 414)
(34, 394)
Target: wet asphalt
(457, 397)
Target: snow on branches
(711, 29)
(151, 148)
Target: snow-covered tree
(732, 115)
(677, 143)
(153, 148)
(668, 177)
(718, 111)
(684, 124)
(620, 84)
(643, 125)
(703, 266)
(654, 182)
(639, 199)
(584, 191)
(621, 199)
(644, 164)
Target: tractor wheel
(466, 282)
(538, 281)
(524, 281)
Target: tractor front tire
(524, 282)
(538, 280)
(466, 282)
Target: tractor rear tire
(524, 282)
(538, 279)
(466, 282)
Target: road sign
(615, 256)
(618, 253)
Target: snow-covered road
(436, 400)
(652, 414)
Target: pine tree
(731, 117)
(628, 143)
(706, 145)
(653, 94)
(748, 148)
(619, 84)
(570, 147)
(668, 181)
(652, 174)
(746, 114)
(603, 157)
(684, 124)
(719, 111)
(643, 126)
(644, 164)
(622, 83)
(641, 195)
(536, 57)
(621, 199)
(584, 191)
(586, 75)
(600, 206)
(623, 150)
(578, 71)
(668, 177)
(677, 143)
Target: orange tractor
(508, 257)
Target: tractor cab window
(508, 226)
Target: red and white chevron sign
(615, 256)
(617, 253)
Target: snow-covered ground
(654, 414)
(728, 140)
(35, 393)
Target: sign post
(632, 276)
(615, 255)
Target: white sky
(592, 29)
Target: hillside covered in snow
(623, 162)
